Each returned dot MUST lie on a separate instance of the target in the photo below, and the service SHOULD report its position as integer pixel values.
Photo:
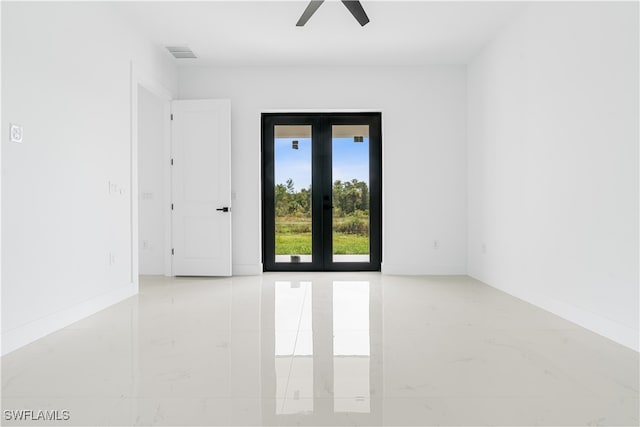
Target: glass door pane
(350, 193)
(292, 187)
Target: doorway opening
(151, 127)
(322, 191)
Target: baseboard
(594, 322)
(18, 337)
(247, 269)
(421, 269)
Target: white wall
(553, 163)
(424, 144)
(151, 176)
(67, 238)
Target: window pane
(292, 168)
(350, 177)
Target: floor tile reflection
(323, 349)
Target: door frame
(140, 79)
(321, 178)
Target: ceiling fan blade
(357, 11)
(310, 10)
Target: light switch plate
(16, 133)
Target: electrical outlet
(436, 244)
(16, 133)
(145, 245)
(112, 258)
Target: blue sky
(350, 160)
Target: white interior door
(201, 187)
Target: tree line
(349, 198)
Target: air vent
(181, 52)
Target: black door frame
(321, 147)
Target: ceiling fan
(354, 7)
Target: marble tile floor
(323, 349)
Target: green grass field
(293, 237)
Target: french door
(322, 187)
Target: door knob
(327, 202)
(223, 209)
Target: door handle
(223, 209)
(327, 202)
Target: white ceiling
(240, 33)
